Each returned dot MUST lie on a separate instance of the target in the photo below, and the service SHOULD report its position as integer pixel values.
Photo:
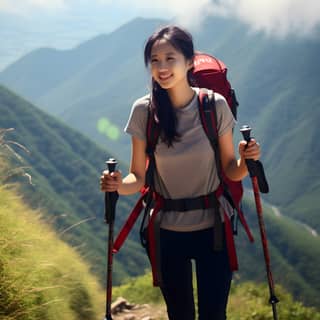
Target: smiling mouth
(164, 77)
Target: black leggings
(212, 272)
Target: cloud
(189, 13)
(23, 7)
(277, 17)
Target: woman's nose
(162, 65)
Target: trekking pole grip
(246, 133)
(110, 197)
(111, 163)
(255, 167)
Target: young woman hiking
(185, 168)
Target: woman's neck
(182, 97)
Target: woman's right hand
(110, 181)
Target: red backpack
(209, 73)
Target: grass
(249, 301)
(40, 276)
(139, 290)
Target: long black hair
(182, 41)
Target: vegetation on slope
(40, 276)
(65, 168)
(248, 301)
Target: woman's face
(169, 66)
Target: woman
(184, 235)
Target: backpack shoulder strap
(208, 116)
(152, 135)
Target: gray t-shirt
(187, 169)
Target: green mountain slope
(281, 103)
(293, 250)
(41, 277)
(65, 168)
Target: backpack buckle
(206, 103)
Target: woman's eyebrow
(170, 53)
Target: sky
(28, 24)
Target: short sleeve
(225, 119)
(137, 123)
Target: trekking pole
(110, 206)
(256, 172)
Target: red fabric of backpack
(211, 73)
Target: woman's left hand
(249, 150)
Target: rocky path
(123, 310)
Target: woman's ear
(190, 64)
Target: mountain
(92, 87)
(65, 168)
(101, 73)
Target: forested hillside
(65, 168)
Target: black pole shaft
(273, 300)
(109, 272)
(110, 202)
